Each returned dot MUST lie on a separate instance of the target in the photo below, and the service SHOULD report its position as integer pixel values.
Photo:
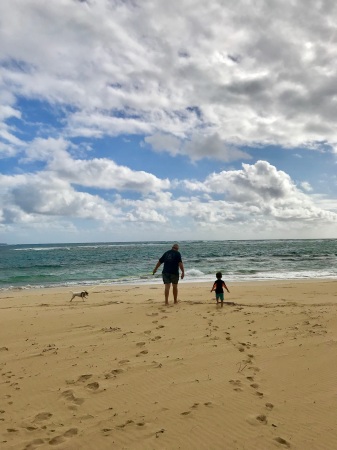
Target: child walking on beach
(218, 286)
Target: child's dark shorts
(219, 297)
(170, 278)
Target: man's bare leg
(175, 293)
(167, 291)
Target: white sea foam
(194, 273)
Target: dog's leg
(72, 298)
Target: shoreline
(159, 282)
(121, 370)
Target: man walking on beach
(172, 262)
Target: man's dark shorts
(170, 278)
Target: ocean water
(91, 264)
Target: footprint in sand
(255, 369)
(269, 406)
(32, 445)
(140, 344)
(61, 438)
(282, 441)
(255, 420)
(56, 440)
(42, 416)
(235, 382)
(83, 378)
(159, 432)
(144, 352)
(117, 371)
(245, 344)
(113, 373)
(93, 386)
(69, 395)
(262, 418)
(123, 425)
(71, 432)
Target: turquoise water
(25, 266)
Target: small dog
(81, 294)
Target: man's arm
(155, 269)
(181, 266)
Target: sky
(133, 120)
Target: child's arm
(224, 285)
(213, 287)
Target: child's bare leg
(221, 303)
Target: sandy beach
(122, 371)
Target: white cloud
(258, 189)
(197, 147)
(30, 198)
(145, 215)
(7, 151)
(306, 186)
(265, 190)
(164, 142)
(250, 73)
(258, 198)
(97, 172)
(213, 147)
(7, 133)
(49, 149)
(106, 174)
